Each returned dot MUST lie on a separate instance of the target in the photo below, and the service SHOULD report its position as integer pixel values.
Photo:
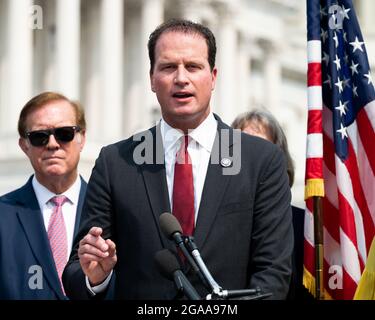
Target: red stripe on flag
(349, 286)
(367, 135)
(314, 124)
(331, 217)
(314, 168)
(352, 167)
(329, 153)
(347, 221)
(314, 74)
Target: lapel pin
(225, 162)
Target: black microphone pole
(172, 230)
(169, 267)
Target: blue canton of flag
(347, 81)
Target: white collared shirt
(200, 147)
(69, 208)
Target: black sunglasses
(40, 138)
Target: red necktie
(183, 189)
(57, 235)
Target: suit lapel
(213, 191)
(156, 183)
(32, 223)
(81, 199)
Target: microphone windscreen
(169, 224)
(167, 263)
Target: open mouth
(182, 95)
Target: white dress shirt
(199, 148)
(69, 208)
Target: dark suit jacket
(244, 226)
(24, 244)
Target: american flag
(340, 156)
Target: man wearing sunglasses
(39, 220)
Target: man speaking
(241, 221)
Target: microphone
(170, 269)
(173, 231)
(193, 249)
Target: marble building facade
(95, 51)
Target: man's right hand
(96, 256)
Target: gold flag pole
(318, 241)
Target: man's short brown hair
(41, 100)
(183, 26)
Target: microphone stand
(217, 292)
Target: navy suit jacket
(25, 249)
(244, 226)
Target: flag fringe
(308, 281)
(314, 187)
(309, 284)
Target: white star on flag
(342, 131)
(345, 12)
(369, 77)
(329, 81)
(337, 63)
(339, 84)
(336, 40)
(354, 67)
(355, 91)
(356, 44)
(342, 108)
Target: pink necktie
(57, 235)
(183, 189)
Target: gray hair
(265, 120)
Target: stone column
(111, 68)
(227, 62)
(152, 14)
(272, 76)
(244, 73)
(17, 63)
(68, 19)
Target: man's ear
(214, 77)
(24, 145)
(152, 82)
(81, 138)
